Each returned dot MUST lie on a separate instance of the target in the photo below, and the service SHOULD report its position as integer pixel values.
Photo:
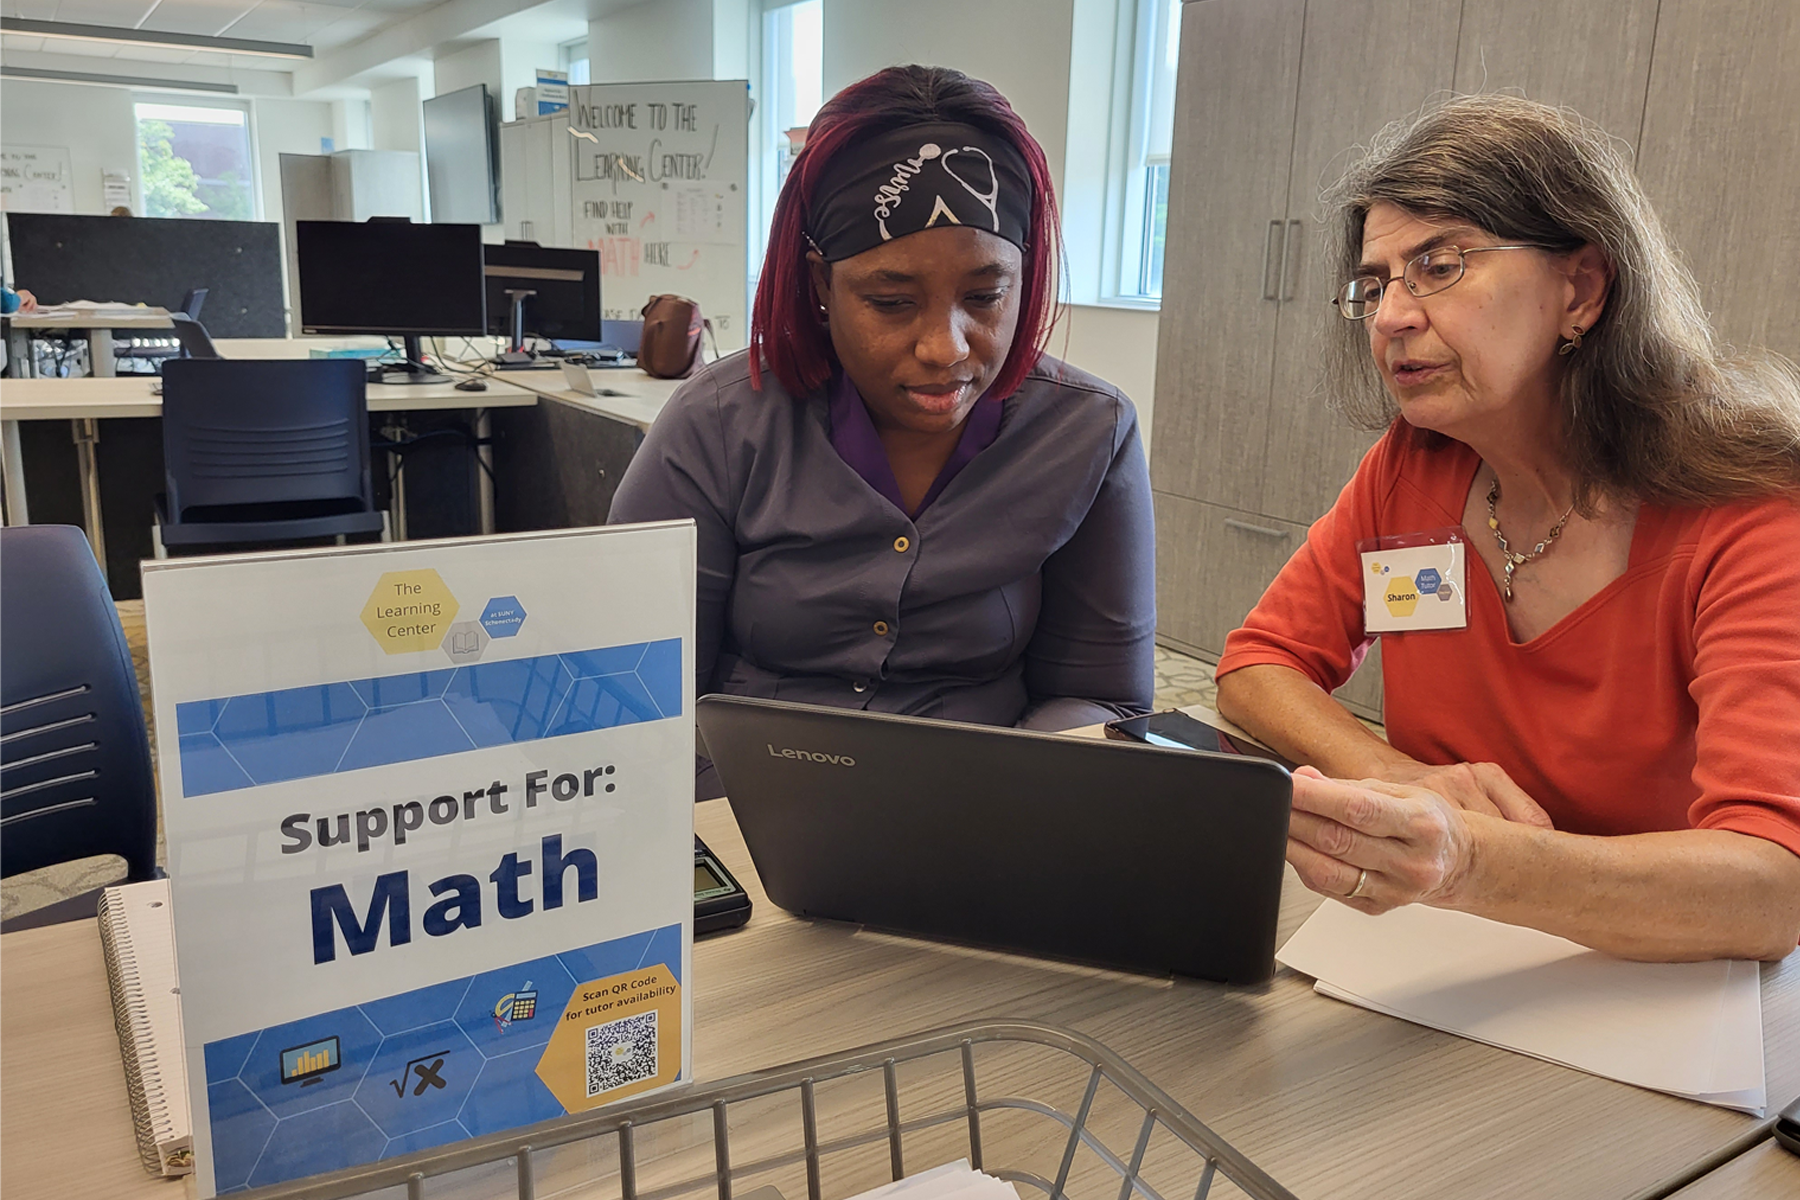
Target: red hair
(786, 335)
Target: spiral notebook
(138, 938)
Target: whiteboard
(36, 179)
(660, 190)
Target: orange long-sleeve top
(1668, 700)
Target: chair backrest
(193, 301)
(75, 775)
(274, 435)
(195, 343)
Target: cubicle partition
(155, 261)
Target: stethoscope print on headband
(888, 198)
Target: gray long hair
(1656, 408)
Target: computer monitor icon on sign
(305, 1064)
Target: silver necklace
(1513, 559)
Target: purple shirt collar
(854, 437)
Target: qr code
(621, 1052)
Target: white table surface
(137, 396)
(640, 396)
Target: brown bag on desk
(670, 347)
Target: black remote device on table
(720, 902)
(1787, 1127)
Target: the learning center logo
(409, 611)
(413, 611)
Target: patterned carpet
(1180, 680)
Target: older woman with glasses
(1595, 730)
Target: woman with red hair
(903, 504)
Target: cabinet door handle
(1262, 530)
(1271, 262)
(1290, 259)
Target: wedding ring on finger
(1362, 881)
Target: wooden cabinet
(1225, 227)
(1592, 57)
(1398, 53)
(1721, 159)
(1273, 97)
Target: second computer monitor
(565, 286)
(390, 277)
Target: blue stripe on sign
(297, 733)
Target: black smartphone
(1787, 1127)
(1182, 732)
(720, 902)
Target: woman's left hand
(1416, 846)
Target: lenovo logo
(836, 760)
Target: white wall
(1117, 344)
(285, 127)
(663, 39)
(1019, 46)
(396, 118)
(95, 124)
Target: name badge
(1414, 582)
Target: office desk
(642, 396)
(1766, 1170)
(96, 329)
(83, 402)
(1332, 1100)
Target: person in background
(904, 505)
(1610, 750)
(20, 301)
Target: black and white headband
(919, 177)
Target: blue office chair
(192, 335)
(264, 451)
(75, 775)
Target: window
(575, 62)
(195, 162)
(793, 72)
(1143, 202)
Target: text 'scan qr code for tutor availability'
(621, 1052)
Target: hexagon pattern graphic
(1401, 596)
(298, 733)
(503, 617)
(409, 611)
(453, 1060)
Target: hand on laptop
(1474, 787)
(1377, 845)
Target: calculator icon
(515, 1006)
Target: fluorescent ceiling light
(118, 35)
(95, 79)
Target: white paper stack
(1690, 1029)
(952, 1181)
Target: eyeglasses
(1426, 275)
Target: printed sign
(430, 821)
(1414, 588)
(552, 92)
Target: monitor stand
(413, 370)
(516, 357)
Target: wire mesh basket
(1050, 1110)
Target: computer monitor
(392, 277)
(543, 292)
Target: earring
(1574, 342)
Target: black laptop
(1131, 855)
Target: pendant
(1511, 566)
